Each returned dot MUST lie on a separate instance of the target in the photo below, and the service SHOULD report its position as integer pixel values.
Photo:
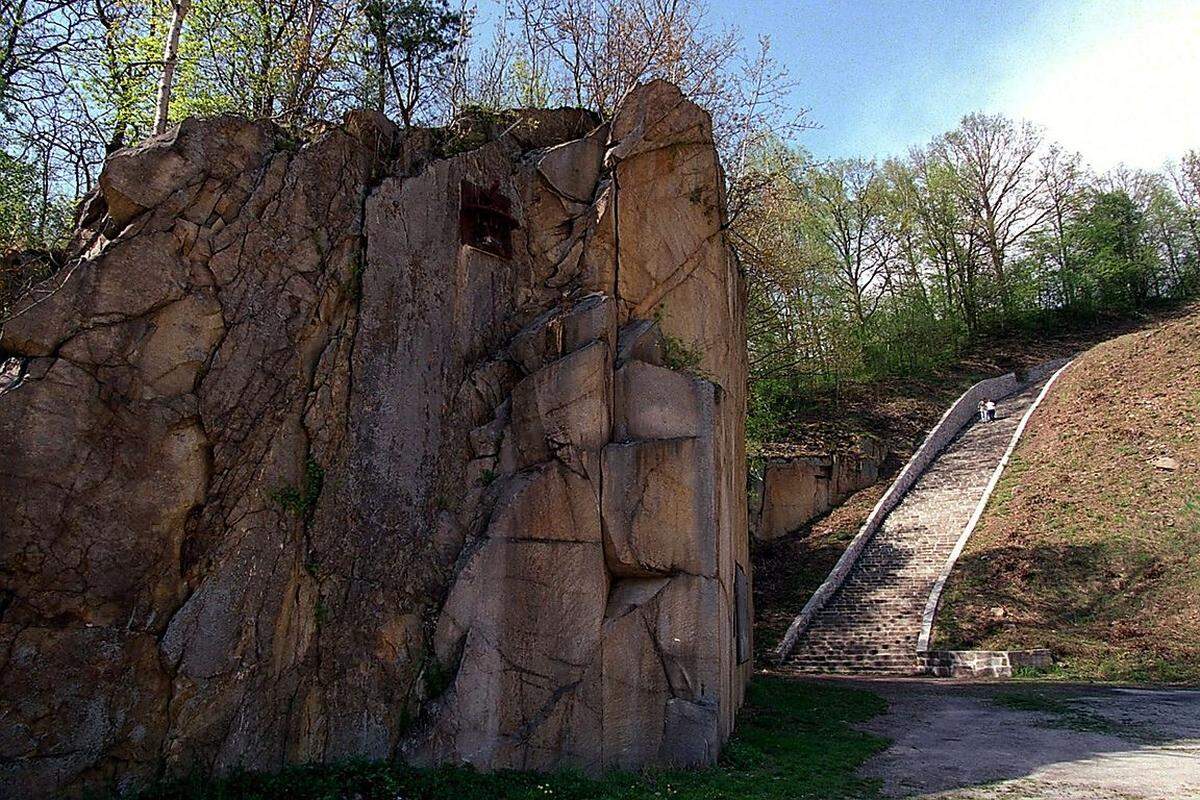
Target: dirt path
(1025, 741)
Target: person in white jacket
(991, 410)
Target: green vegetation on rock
(300, 500)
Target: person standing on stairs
(991, 410)
(982, 411)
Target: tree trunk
(382, 61)
(179, 10)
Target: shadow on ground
(1034, 741)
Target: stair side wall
(952, 421)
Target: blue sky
(1118, 81)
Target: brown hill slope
(1091, 543)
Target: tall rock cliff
(396, 444)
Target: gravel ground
(1035, 741)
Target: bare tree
(844, 201)
(35, 35)
(1185, 180)
(1065, 181)
(994, 163)
(949, 232)
(591, 53)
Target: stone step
(862, 659)
(871, 624)
(860, 648)
(910, 667)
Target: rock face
(797, 490)
(369, 449)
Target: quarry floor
(1022, 740)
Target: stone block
(564, 404)
(691, 735)
(560, 331)
(797, 490)
(794, 491)
(659, 677)
(547, 502)
(521, 657)
(633, 688)
(642, 340)
(658, 508)
(573, 168)
(653, 402)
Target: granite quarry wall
(367, 448)
(797, 489)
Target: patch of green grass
(677, 355)
(794, 741)
(1008, 484)
(287, 142)
(1067, 715)
(475, 126)
(1054, 671)
(1191, 510)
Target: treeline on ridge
(858, 270)
(865, 270)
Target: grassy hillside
(1091, 543)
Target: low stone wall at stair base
(981, 663)
(958, 415)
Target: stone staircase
(872, 623)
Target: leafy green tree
(29, 228)
(18, 211)
(1168, 230)
(1111, 235)
(414, 42)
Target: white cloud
(1117, 82)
